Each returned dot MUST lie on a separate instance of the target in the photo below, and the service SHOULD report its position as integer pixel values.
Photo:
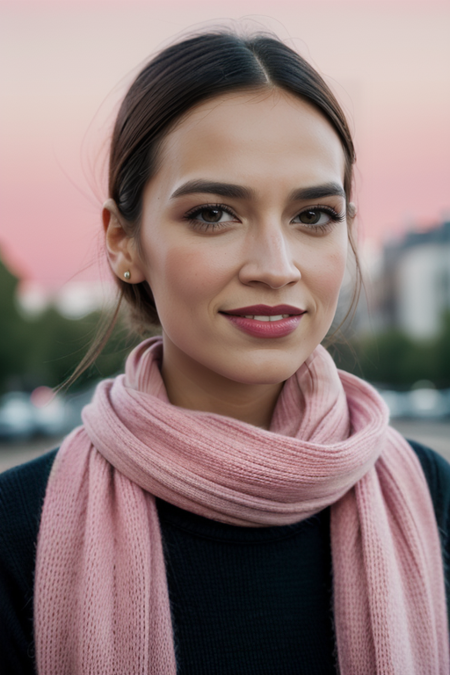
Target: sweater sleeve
(22, 491)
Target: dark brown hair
(198, 68)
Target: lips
(263, 321)
(265, 310)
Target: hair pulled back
(178, 78)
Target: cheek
(325, 275)
(183, 281)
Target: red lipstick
(254, 319)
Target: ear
(120, 247)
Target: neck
(193, 386)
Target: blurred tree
(442, 353)
(46, 349)
(13, 332)
(59, 344)
(383, 358)
(393, 359)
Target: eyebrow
(318, 192)
(240, 192)
(214, 188)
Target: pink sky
(66, 63)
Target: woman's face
(247, 208)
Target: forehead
(254, 136)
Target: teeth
(277, 317)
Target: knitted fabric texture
(101, 596)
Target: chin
(268, 368)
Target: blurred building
(412, 291)
(73, 300)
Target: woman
(232, 503)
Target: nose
(269, 258)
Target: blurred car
(17, 416)
(41, 413)
(396, 402)
(52, 414)
(422, 402)
(427, 402)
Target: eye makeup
(209, 217)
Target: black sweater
(243, 600)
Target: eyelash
(335, 217)
(191, 217)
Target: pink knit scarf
(101, 597)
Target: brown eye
(310, 217)
(318, 218)
(211, 215)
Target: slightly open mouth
(262, 317)
(277, 317)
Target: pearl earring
(127, 275)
